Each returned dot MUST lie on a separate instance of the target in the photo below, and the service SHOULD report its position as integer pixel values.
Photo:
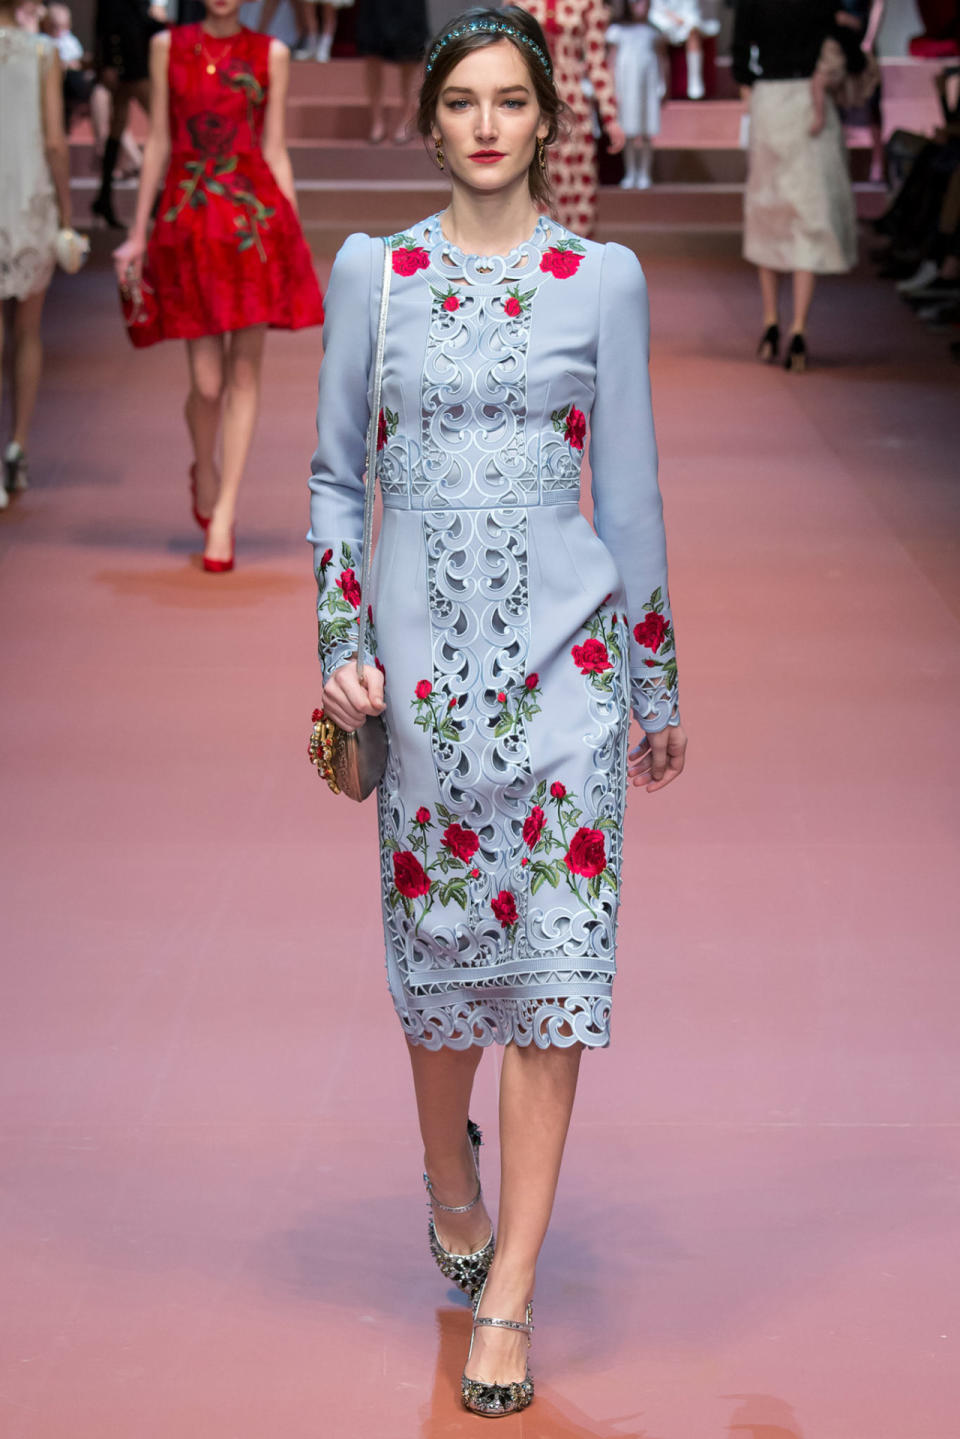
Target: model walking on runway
(511, 641)
(226, 258)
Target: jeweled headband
(492, 27)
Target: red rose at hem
(423, 690)
(650, 631)
(558, 790)
(347, 584)
(591, 657)
(504, 907)
(461, 842)
(576, 428)
(586, 854)
(409, 875)
(409, 261)
(533, 826)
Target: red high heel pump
(202, 520)
(221, 567)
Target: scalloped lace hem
(560, 1021)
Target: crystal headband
(491, 27)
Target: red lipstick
(487, 157)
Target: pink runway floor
(211, 1223)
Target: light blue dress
(514, 637)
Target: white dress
(636, 73)
(28, 206)
(678, 19)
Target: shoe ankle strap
(452, 1208)
(524, 1328)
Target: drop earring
(439, 146)
(541, 153)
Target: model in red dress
(227, 258)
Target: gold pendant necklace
(201, 50)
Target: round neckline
(455, 251)
(220, 39)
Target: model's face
(223, 9)
(641, 9)
(488, 119)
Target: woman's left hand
(616, 139)
(659, 760)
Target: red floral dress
(576, 31)
(227, 250)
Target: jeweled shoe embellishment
(495, 1401)
(467, 1271)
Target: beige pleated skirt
(798, 209)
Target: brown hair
(552, 108)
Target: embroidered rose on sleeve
(350, 589)
(562, 260)
(576, 428)
(650, 631)
(409, 258)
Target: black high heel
(769, 346)
(103, 209)
(796, 357)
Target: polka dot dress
(575, 30)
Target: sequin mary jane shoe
(467, 1271)
(495, 1401)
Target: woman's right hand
(348, 702)
(128, 261)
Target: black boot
(103, 204)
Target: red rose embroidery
(650, 664)
(451, 303)
(461, 842)
(474, 874)
(347, 584)
(533, 826)
(558, 790)
(423, 690)
(524, 862)
(501, 698)
(560, 263)
(532, 681)
(586, 855)
(326, 558)
(423, 815)
(650, 631)
(504, 907)
(452, 704)
(591, 657)
(382, 432)
(513, 307)
(576, 428)
(409, 876)
(408, 260)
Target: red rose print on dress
(591, 657)
(504, 907)
(409, 875)
(517, 301)
(325, 559)
(532, 681)
(423, 690)
(387, 423)
(350, 589)
(533, 826)
(512, 307)
(586, 854)
(562, 260)
(409, 257)
(423, 815)
(461, 841)
(650, 631)
(576, 428)
(558, 790)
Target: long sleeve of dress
(628, 511)
(337, 469)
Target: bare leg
(409, 74)
(537, 1090)
(443, 1080)
(202, 411)
(373, 74)
(804, 284)
(769, 288)
(694, 54)
(27, 363)
(240, 405)
(878, 158)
